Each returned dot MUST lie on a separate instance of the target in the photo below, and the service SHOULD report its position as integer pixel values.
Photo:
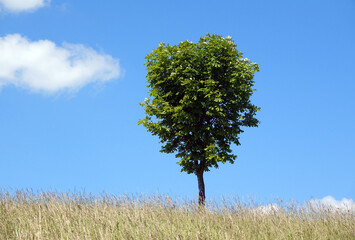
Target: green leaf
(200, 98)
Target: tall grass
(55, 215)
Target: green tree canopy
(199, 101)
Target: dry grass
(51, 215)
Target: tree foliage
(199, 100)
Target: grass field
(54, 215)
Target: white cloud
(267, 209)
(42, 66)
(327, 204)
(22, 5)
(330, 204)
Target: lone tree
(199, 101)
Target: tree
(199, 102)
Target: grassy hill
(54, 215)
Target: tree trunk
(201, 188)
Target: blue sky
(72, 75)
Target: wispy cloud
(267, 209)
(22, 5)
(326, 204)
(42, 66)
(329, 203)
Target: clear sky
(72, 75)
